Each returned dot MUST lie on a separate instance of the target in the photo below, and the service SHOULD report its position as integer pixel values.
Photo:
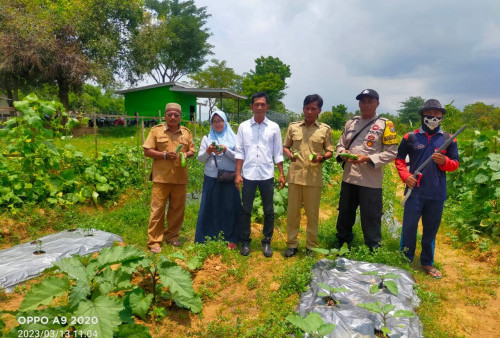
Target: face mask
(431, 122)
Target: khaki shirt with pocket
(377, 141)
(305, 140)
(162, 139)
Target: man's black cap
(367, 92)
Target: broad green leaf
(113, 280)
(73, 267)
(326, 329)
(194, 263)
(78, 293)
(178, 280)
(299, 322)
(403, 313)
(392, 287)
(119, 254)
(177, 255)
(324, 286)
(323, 294)
(106, 310)
(344, 249)
(139, 302)
(133, 331)
(374, 288)
(373, 307)
(391, 275)
(314, 320)
(45, 292)
(386, 308)
(495, 176)
(481, 178)
(386, 331)
(321, 251)
(103, 187)
(192, 302)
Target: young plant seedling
(38, 250)
(312, 156)
(328, 296)
(349, 156)
(384, 311)
(332, 254)
(391, 286)
(88, 232)
(313, 324)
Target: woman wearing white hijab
(220, 207)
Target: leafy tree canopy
(409, 110)
(269, 76)
(217, 75)
(172, 42)
(336, 118)
(63, 42)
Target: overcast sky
(445, 49)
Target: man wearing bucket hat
(168, 176)
(371, 142)
(429, 189)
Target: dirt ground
(467, 305)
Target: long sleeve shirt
(260, 147)
(225, 161)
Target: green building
(151, 100)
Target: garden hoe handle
(429, 159)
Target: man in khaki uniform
(304, 175)
(169, 178)
(373, 140)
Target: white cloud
(446, 49)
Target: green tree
(172, 43)
(336, 119)
(64, 42)
(482, 116)
(95, 99)
(217, 75)
(269, 76)
(409, 110)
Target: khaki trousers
(175, 195)
(309, 197)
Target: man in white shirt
(258, 148)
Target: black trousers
(266, 188)
(369, 201)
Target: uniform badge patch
(369, 144)
(389, 134)
(371, 137)
(375, 127)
